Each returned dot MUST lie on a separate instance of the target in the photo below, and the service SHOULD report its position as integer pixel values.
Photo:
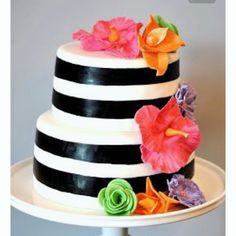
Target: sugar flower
(155, 44)
(185, 191)
(168, 138)
(118, 198)
(153, 202)
(117, 37)
(186, 99)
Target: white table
(209, 177)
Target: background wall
(40, 27)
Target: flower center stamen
(114, 36)
(172, 132)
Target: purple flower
(186, 97)
(185, 191)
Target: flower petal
(121, 23)
(157, 61)
(148, 203)
(146, 115)
(173, 111)
(158, 160)
(151, 122)
(89, 42)
(102, 29)
(160, 208)
(173, 155)
(80, 34)
(146, 118)
(145, 47)
(151, 59)
(162, 63)
(150, 190)
(124, 51)
(152, 24)
(141, 211)
(167, 198)
(156, 36)
(171, 42)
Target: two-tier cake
(119, 111)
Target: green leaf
(175, 29)
(165, 24)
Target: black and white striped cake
(89, 136)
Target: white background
(39, 27)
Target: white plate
(209, 177)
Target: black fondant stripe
(102, 109)
(90, 186)
(109, 76)
(114, 154)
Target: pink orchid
(117, 37)
(168, 138)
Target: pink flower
(117, 37)
(168, 138)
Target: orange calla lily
(155, 44)
(153, 202)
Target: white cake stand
(208, 176)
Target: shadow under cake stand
(25, 199)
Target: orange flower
(153, 202)
(155, 44)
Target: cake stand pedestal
(209, 177)
(114, 232)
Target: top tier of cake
(73, 53)
(95, 90)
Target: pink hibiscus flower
(168, 138)
(117, 37)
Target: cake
(93, 132)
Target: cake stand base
(209, 177)
(115, 232)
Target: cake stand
(209, 177)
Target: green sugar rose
(118, 198)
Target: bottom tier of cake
(81, 191)
(72, 165)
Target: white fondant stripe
(116, 93)
(48, 124)
(95, 123)
(68, 199)
(100, 170)
(73, 53)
